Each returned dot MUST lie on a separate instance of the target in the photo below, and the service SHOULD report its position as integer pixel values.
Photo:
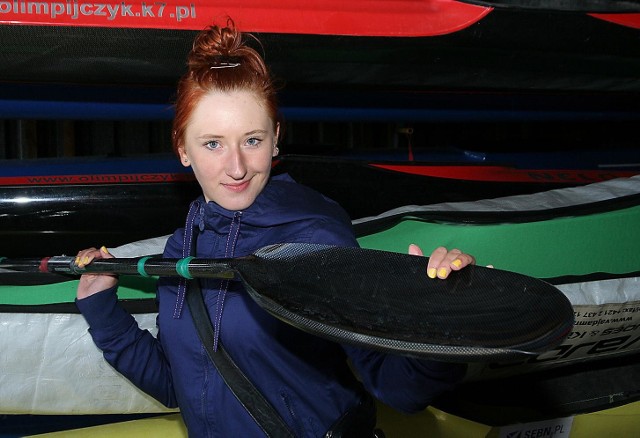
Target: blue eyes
(212, 144)
(215, 144)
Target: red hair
(220, 60)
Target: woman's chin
(236, 204)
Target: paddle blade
(385, 301)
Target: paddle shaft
(188, 267)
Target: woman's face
(229, 142)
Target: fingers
(91, 284)
(105, 253)
(415, 250)
(86, 256)
(442, 262)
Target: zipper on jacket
(298, 428)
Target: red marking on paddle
(44, 265)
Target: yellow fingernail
(457, 263)
(442, 273)
(77, 260)
(431, 272)
(104, 250)
(85, 260)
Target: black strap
(253, 401)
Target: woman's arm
(133, 352)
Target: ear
(275, 151)
(184, 160)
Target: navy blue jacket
(307, 379)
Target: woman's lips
(237, 187)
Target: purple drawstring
(187, 245)
(232, 239)
(186, 251)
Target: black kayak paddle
(374, 299)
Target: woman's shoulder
(174, 244)
(284, 192)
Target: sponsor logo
(556, 428)
(73, 10)
(129, 178)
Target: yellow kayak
(622, 421)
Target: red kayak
(319, 17)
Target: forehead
(241, 107)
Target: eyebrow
(246, 134)
(256, 131)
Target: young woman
(226, 128)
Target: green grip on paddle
(182, 267)
(140, 266)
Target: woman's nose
(236, 167)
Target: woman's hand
(93, 283)
(443, 261)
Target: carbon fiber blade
(384, 300)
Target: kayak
(530, 234)
(436, 59)
(62, 205)
(622, 420)
(359, 17)
(367, 187)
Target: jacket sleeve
(134, 352)
(404, 383)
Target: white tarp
(50, 365)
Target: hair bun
(214, 44)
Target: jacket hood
(281, 201)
